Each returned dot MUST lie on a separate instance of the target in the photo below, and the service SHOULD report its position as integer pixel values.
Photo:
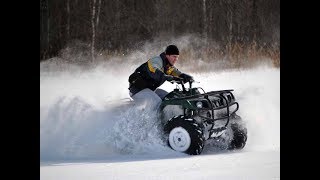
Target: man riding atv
(189, 118)
(146, 79)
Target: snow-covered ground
(84, 134)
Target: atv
(191, 116)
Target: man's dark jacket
(151, 74)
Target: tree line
(125, 24)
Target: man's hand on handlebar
(177, 79)
(186, 78)
(173, 78)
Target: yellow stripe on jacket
(151, 67)
(154, 64)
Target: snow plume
(137, 131)
(87, 114)
(74, 129)
(195, 55)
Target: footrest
(217, 132)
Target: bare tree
(205, 25)
(93, 30)
(254, 20)
(68, 19)
(48, 25)
(98, 13)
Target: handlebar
(179, 80)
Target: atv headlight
(199, 104)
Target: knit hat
(172, 50)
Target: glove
(186, 77)
(168, 77)
(172, 78)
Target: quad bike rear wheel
(185, 135)
(235, 136)
(239, 137)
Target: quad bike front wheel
(185, 135)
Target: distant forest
(240, 28)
